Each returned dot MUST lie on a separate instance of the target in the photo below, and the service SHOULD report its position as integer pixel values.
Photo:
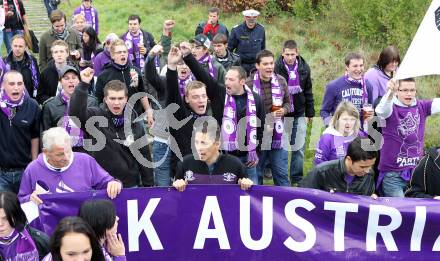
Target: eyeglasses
(408, 90)
(120, 52)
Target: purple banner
(222, 222)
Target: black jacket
(183, 135)
(227, 170)
(116, 158)
(24, 67)
(329, 175)
(231, 59)
(54, 109)
(303, 101)
(110, 72)
(217, 92)
(425, 180)
(49, 82)
(247, 42)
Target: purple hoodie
(100, 61)
(83, 174)
(332, 145)
(378, 80)
(340, 90)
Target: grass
(322, 46)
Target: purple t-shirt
(340, 90)
(404, 136)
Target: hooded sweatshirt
(83, 174)
(333, 145)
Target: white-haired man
(59, 170)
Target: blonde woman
(343, 128)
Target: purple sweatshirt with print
(340, 90)
(84, 174)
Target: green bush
(378, 22)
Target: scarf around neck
(133, 48)
(76, 134)
(358, 83)
(9, 106)
(90, 19)
(293, 82)
(230, 125)
(277, 99)
(61, 36)
(18, 246)
(208, 59)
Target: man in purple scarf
(59, 170)
(273, 90)
(241, 105)
(350, 87)
(22, 60)
(90, 13)
(138, 42)
(403, 134)
(292, 66)
(19, 125)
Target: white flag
(423, 55)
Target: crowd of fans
(218, 107)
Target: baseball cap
(66, 69)
(201, 39)
(251, 12)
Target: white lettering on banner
(301, 223)
(245, 223)
(211, 208)
(436, 246)
(374, 228)
(419, 226)
(136, 226)
(341, 210)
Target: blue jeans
(393, 185)
(7, 37)
(10, 180)
(251, 172)
(298, 142)
(278, 165)
(162, 173)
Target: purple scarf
(157, 64)
(183, 83)
(207, 59)
(356, 83)
(293, 81)
(134, 53)
(18, 246)
(8, 106)
(33, 68)
(118, 120)
(277, 99)
(75, 133)
(230, 125)
(90, 15)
